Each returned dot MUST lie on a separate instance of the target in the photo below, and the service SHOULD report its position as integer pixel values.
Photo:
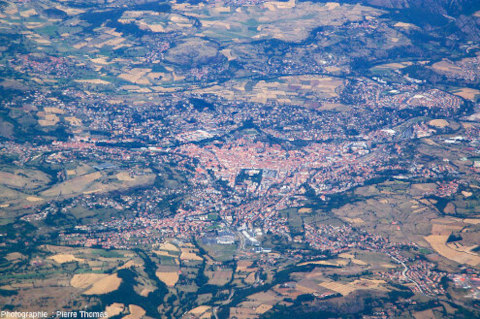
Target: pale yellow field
(404, 25)
(352, 258)
(11, 9)
(101, 60)
(460, 247)
(93, 81)
(368, 284)
(304, 210)
(472, 220)
(105, 285)
(393, 66)
(199, 310)
(164, 253)
(136, 312)
(34, 199)
(114, 309)
(55, 110)
(274, 5)
(467, 194)
(64, 258)
(438, 243)
(49, 120)
(354, 220)
(468, 93)
(446, 66)
(79, 46)
(125, 176)
(338, 287)
(169, 246)
(23, 179)
(336, 262)
(86, 280)
(146, 291)
(69, 10)
(345, 289)
(228, 54)
(187, 254)
(73, 120)
(113, 101)
(242, 265)
(130, 264)
(15, 256)
(169, 278)
(114, 42)
(74, 185)
(136, 75)
(263, 308)
(441, 123)
(28, 13)
(250, 279)
(101, 186)
(445, 229)
(333, 69)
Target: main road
(404, 273)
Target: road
(404, 273)
(215, 309)
(242, 240)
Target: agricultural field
(285, 90)
(66, 273)
(169, 278)
(348, 288)
(219, 277)
(459, 254)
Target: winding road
(404, 273)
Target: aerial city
(240, 159)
